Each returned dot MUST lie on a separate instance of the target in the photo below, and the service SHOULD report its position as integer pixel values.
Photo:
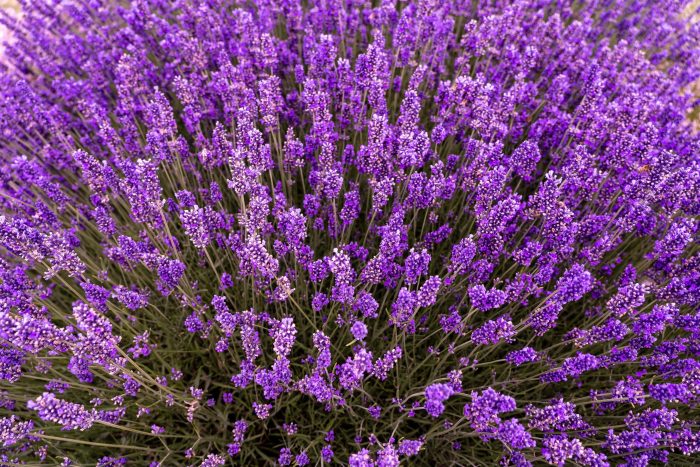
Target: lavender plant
(363, 233)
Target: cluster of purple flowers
(365, 233)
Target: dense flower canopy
(445, 232)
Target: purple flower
(213, 460)
(262, 411)
(283, 333)
(484, 300)
(285, 457)
(388, 457)
(327, 453)
(302, 459)
(416, 265)
(484, 410)
(12, 430)
(69, 415)
(359, 330)
(513, 434)
(435, 395)
(494, 331)
(408, 447)
(524, 355)
(361, 459)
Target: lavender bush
(349, 232)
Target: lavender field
(350, 232)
